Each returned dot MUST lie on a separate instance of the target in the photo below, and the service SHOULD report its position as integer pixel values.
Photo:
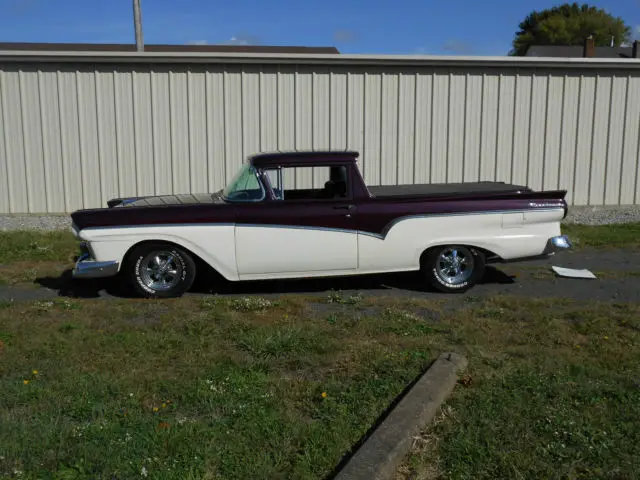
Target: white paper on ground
(572, 272)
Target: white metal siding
(74, 136)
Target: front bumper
(87, 268)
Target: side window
(275, 180)
(309, 183)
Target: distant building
(585, 51)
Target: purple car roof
(326, 157)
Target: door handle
(344, 207)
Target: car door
(303, 232)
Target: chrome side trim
(298, 227)
(157, 225)
(395, 221)
(86, 268)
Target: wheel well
(200, 263)
(488, 254)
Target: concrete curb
(381, 454)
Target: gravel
(579, 215)
(35, 222)
(603, 215)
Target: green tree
(569, 24)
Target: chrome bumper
(557, 244)
(87, 268)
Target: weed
(6, 303)
(336, 297)
(67, 304)
(67, 327)
(251, 304)
(43, 305)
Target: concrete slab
(381, 454)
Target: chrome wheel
(454, 265)
(160, 270)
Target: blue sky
(355, 26)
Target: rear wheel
(158, 270)
(453, 268)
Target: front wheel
(157, 270)
(453, 268)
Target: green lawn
(604, 236)
(249, 388)
(196, 388)
(554, 393)
(27, 255)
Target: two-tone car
(310, 214)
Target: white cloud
(344, 36)
(242, 39)
(198, 42)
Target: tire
(159, 270)
(443, 275)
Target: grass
(554, 392)
(27, 255)
(604, 236)
(278, 388)
(25, 273)
(57, 246)
(242, 388)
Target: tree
(569, 24)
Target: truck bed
(445, 189)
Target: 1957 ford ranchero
(264, 225)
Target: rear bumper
(554, 245)
(557, 244)
(87, 268)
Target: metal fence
(75, 134)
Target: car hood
(156, 210)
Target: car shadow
(67, 286)
(211, 283)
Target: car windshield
(244, 186)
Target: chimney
(589, 47)
(636, 49)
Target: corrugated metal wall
(74, 136)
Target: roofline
(165, 48)
(302, 157)
(108, 57)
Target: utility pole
(137, 20)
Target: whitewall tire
(453, 268)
